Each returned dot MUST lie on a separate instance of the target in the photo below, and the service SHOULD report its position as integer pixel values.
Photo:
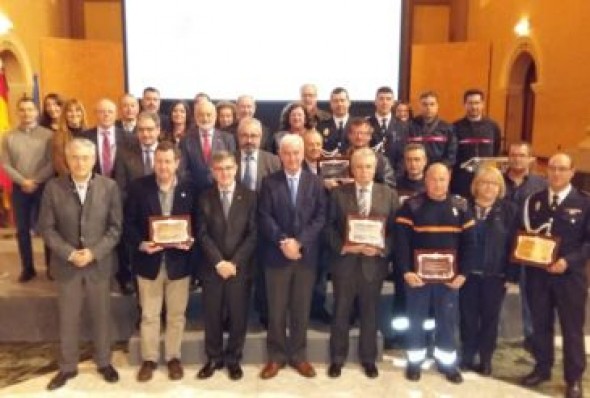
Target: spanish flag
(5, 183)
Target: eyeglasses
(559, 169)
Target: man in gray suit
(358, 269)
(80, 221)
(253, 165)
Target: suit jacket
(129, 167)
(67, 225)
(571, 223)
(267, 163)
(278, 218)
(121, 139)
(394, 139)
(266, 138)
(193, 164)
(233, 239)
(343, 201)
(119, 125)
(333, 139)
(142, 202)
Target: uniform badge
(573, 212)
(326, 132)
(455, 212)
(537, 206)
(182, 194)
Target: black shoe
(370, 370)
(60, 379)
(322, 316)
(527, 344)
(534, 379)
(126, 288)
(109, 374)
(467, 364)
(234, 371)
(208, 370)
(335, 370)
(264, 322)
(26, 276)
(453, 375)
(413, 372)
(574, 390)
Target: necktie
(340, 127)
(147, 163)
(107, 163)
(554, 202)
(206, 146)
(363, 202)
(293, 189)
(225, 203)
(247, 180)
(384, 125)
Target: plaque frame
(530, 236)
(358, 217)
(439, 252)
(156, 219)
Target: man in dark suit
(334, 128)
(151, 101)
(80, 222)
(246, 109)
(253, 165)
(162, 271)
(308, 95)
(227, 237)
(107, 138)
(562, 286)
(292, 212)
(358, 269)
(200, 143)
(386, 130)
(129, 110)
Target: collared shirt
(230, 190)
(26, 154)
(313, 166)
(112, 141)
(560, 195)
(209, 134)
(253, 165)
(296, 177)
(369, 197)
(129, 126)
(344, 120)
(380, 120)
(151, 150)
(82, 188)
(167, 198)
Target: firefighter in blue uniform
(434, 220)
(563, 285)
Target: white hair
(291, 140)
(83, 143)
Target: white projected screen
(265, 48)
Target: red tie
(106, 154)
(206, 146)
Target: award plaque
(171, 230)
(436, 266)
(535, 249)
(365, 230)
(334, 167)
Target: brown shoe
(304, 369)
(146, 371)
(270, 370)
(175, 371)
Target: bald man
(200, 143)
(562, 286)
(129, 109)
(430, 224)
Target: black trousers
(566, 293)
(289, 289)
(346, 290)
(480, 303)
(222, 298)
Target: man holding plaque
(292, 213)
(227, 237)
(358, 231)
(436, 240)
(159, 220)
(559, 285)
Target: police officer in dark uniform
(434, 220)
(563, 285)
(477, 136)
(334, 129)
(435, 134)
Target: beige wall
(103, 21)
(558, 42)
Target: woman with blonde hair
(481, 297)
(71, 124)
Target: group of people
(278, 225)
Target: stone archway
(520, 99)
(17, 69)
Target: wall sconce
(5, 24)
(523, 27)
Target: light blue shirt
(293, 183)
